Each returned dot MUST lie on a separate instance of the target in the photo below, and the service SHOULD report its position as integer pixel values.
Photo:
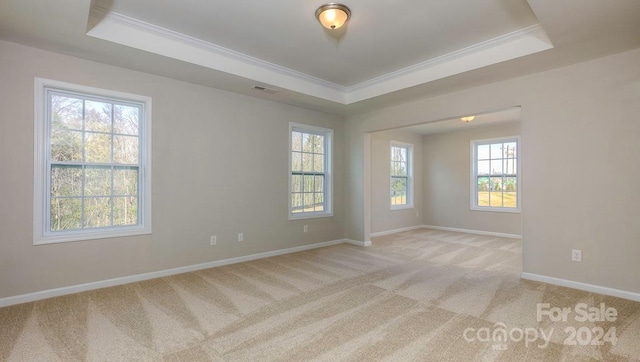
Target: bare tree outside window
(94, 155)
(310, 170)
(401, 174)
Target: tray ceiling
(389, 53)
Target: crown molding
(448, 57)
(519, 43)
(131, 32)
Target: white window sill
(83, 235)
(496, 209)
(309, 215)
(401, 207)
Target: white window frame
(328, 174)
(474, 176)
(409, 147)
(41, 203)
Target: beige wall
(382, 217)
(581, 134)
(578, 124)
(219, 167)
(447, 177)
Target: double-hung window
(495, 174)
(309, 171)
(92, 163)
(401, 182)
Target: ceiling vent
(264, 90)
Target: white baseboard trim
(582, 286)
(475, 232)
(50, 293)
(358, 243)
(389, 232)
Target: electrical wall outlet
(305, 228)
(213, 240)
(240, 236)
(576, 255)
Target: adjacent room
(424, 175)
(360, 181)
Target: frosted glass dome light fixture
(333, 15)
(468, 119)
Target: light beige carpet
(422, 295)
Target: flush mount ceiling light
(333, 15)
(468, 119)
